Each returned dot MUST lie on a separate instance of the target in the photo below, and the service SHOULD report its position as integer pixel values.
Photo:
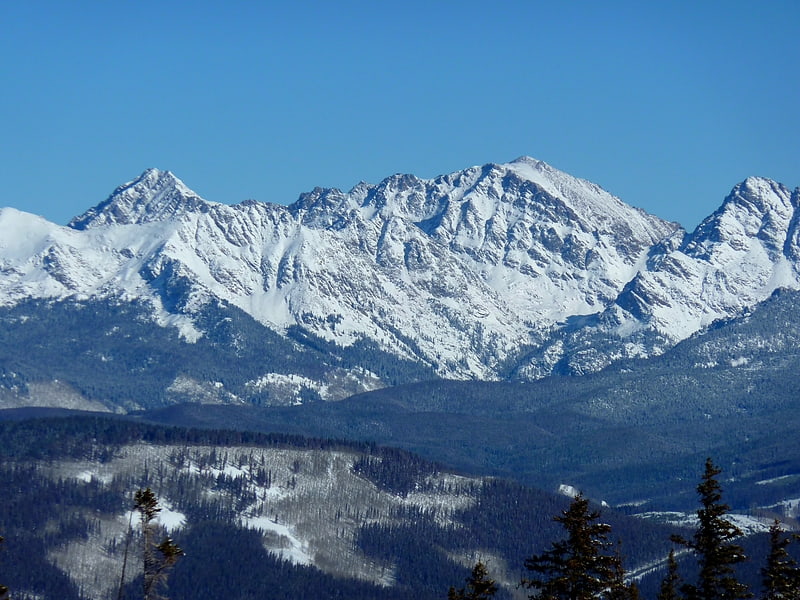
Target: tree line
(586, 565)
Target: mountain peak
(155, 195)
(530, 161)
(757, 208)
(765, 191)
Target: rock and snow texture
(734, 259)
(461, 272)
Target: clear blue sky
(665, 104)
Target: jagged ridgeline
(511, 279)
(261, 515)
(504, 271)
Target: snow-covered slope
(462, 272)
(735, 258)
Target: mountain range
(506, 320)
(502, 272)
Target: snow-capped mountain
(463, 273)
(734, 259)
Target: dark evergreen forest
(132, 361)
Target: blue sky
(667, 105)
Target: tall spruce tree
(671, 582)
(479, 586)
(618, 589)
(580, 567)
(713, 545)
(781, 575)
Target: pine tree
(713, 545)
(781, 575)
(479, 586)
(158, 559)
(578, 567)
(617, 588)
(672, 582)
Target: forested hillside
(293, 515)
(130, 362)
